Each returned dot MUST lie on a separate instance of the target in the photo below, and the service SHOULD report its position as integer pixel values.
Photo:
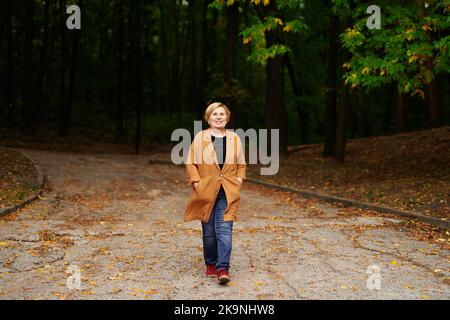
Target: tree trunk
(192, 92)
(138, 61)
(359, 122)
(50, 75)
(10, 103)
(212, 50)
(174, 60)
(62, 100)
(400, 112)
(181, 60)
(434, 94)
(42, 68)
(232, 28)
(342, 105)
(388, 107)
(341, 132)
(331, 88)
(303, 114)
(130, 70)
(4, 12)
(27, 104)
(275, 106)
(120, 72)
(165, 97)
(434, 102)
(72, 79)
(204, 55)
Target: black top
(220, 145)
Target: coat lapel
(212, 153)
(230, 150)
(209, 147)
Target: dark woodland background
(139, 69)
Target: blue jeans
(217, 235)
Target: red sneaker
(223, 276)
(211, 270)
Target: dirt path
(119, 220)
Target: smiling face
(218, 118)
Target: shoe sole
(211, 275)
(224, 280)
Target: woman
(215, 169)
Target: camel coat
(202, 166)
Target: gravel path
(119, 221)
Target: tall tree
(10, 79)
(192, 88)
(27, 104)
(232, 29)
(138, 68)
(76, 33)
(63, 58)
(331, 85)
(275, 105)
(43, 60)
(400, 111)
(204, 57)
(410, 49)
(341, 124)
(120, 71)
(434, 94)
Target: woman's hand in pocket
(195, 184)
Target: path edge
(444, 224)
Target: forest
(136, 70)
(94, 206)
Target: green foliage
(407, 50)
(255, 32)
(261, 55)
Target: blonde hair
(213, 106)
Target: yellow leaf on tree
(247, 39)
(413, 58)
(409, 34)
(279, 21)
(426, 27)
(352, 32)
(265, 2)
(287, 27)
